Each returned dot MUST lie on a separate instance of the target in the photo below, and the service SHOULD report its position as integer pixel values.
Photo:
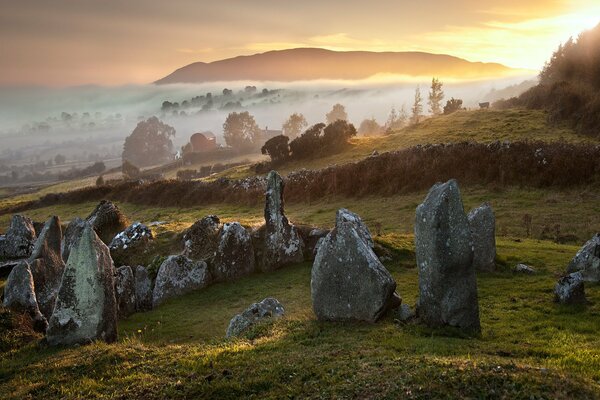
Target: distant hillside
(311, 64)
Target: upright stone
(202, 238)
(587, 260)
(143, 289)
(19, 295)
(282, 243)
(444, 250)
(47, 265)
(107, 220)
(178, 275)
(19, 239)
(483, 230)
(72, 235)
(235, 256)
(125, 291)
(348, 282)
(344, 215)
(86, 307)
(570, 289)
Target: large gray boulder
(178, 275)
(570, 289)
(348, 282)
(587, 260)
(257, 312)
(47, 265)
(86, 307)
(143, 289)
(202, 238)
(444, 251)
(125, 291)
(344, 215)
(128, 245)
(282, 243)
(107, 220)
(19, 295)
(234, 257)
(72, 234)
(483, 230)
(19, 239)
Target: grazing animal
(484, 105)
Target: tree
(308, 143)
(337, 134)
(370, 127)
(149, 143)
(277, 148)
(100, 181)
(293, 126)
(60, 159)
(452, 105)
(338, 112)
(129, 170)
(417, 108)
(241, 131)
(436, 95)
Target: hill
(311, 64)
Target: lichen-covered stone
(72, 235)
(128, 245)
(444, 252)
(524, 269)
(19, 295)
(178, 275)
(234, 257)
(86, 307)
(311, 236)
(19, 239)
(483, 230)
(405, 313)
(587, 260)
(107, 220)
(282, 243)
(202, 239)
(348, 282)
(570, 289)
(125, 291)
(47, 265)
(143, 289)
(344, 215)
(257, 312)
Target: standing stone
(348, 282)
(587, 260)
(107, 220)
(125, 291)
(282, 243)
(444, 250)
(178, 275)
(72, 235)
(570, 289)
(19, 295)
(257, 312)
(235, 256)
(344, 215)
(47, 265)
(86, 307)
(143, 289)
(130, 244)
(19, 239)
(483, 230)
(202, 239)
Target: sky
(107, 42)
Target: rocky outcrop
(348, 282)
(257, 312)
(587, 260)
(282, 244)
(19, 239)
(72, 234)
(234, 257)
(444, 252)
(202, 238)
(128, 245)
(47, 265)
(143, 289)
(86, 307)
(125, 291)
(179, 275)
(483, 231)
(570, 289)
(107, 220)
(19, 295)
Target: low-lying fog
(38, 123)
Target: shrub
(277, 148)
